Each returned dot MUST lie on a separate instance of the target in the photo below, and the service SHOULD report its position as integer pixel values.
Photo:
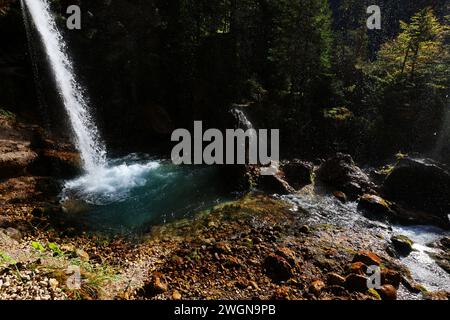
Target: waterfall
(86, 135)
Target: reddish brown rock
(277, 267)
(387, 292)
(333, 279)
(356, 282)
(391, 277)
(316, 287)
(358, 268)
(367, 257)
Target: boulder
(274, 184)
(297, 173)
(342, 173)
(375, 205)
(420, 184)
(402, 244)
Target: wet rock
(342, 173)
(277, 268)
(391, 277)
(334, 279)
(358, 268)
(374, 205)
(356, 282)
(367, 257)
(420, 184)
(387, 292)
(342, 197)
(274, 184)
(402, 244)
(297, 173)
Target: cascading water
(86, 134)
(115, 193)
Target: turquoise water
(134, 193)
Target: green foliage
(7, 114)
(338, 114)
(55, 248)
(419, 52)
(36, 245)
(409, 81)
(301, 43)
(6, 259)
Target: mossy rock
(402, 244)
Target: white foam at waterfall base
(110, 183)
(86, 135)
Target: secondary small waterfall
(87, 138)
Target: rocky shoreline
(257, 247)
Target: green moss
(374, 294)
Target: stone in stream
(375, 205)
(387, 292)
(297, 173)
(422, 185)
(341, 196)
(342, 173)
(402, 244)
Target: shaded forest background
(309, 67)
